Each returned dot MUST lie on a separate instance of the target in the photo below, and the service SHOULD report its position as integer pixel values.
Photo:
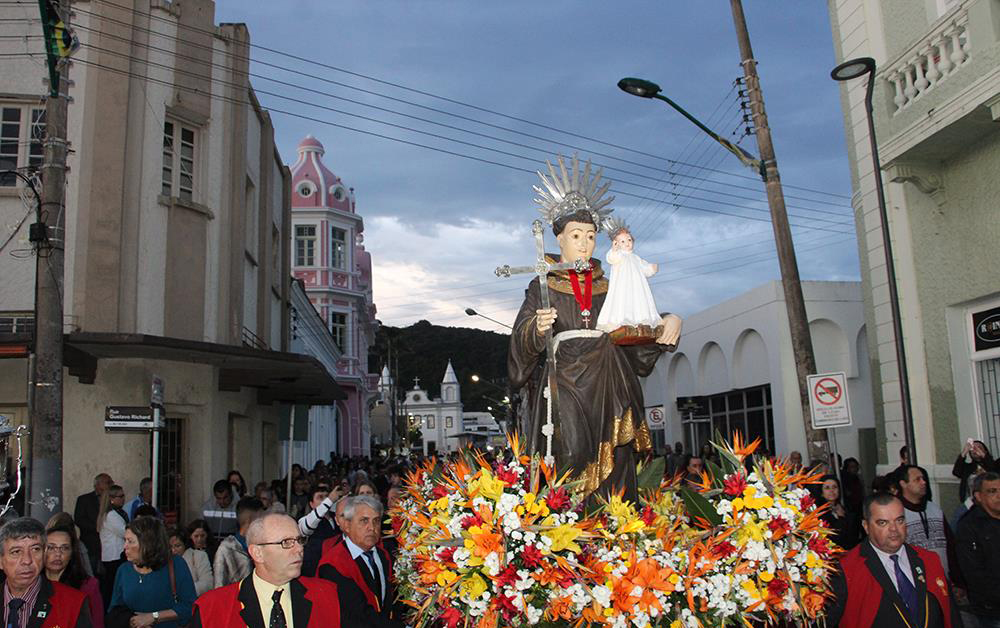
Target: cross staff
(542, 268)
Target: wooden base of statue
(636, 334)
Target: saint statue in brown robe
(598, 414)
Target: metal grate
(17, 324)
(170, 482)
(989, 388)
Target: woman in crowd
(854, 488)
(238, 483)
(65, 563)
(199, 536)
(196, 559)
(155, 587)
(980, 461)
(845, 525)
(364, 486)
(111, 522)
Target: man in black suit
(85, 516)
(274, 595)
(886, 583)
(361, 569)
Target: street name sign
(128, 418)
(828, 402)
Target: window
(338, 192)
(178, 177)
(306, 189)
(338, 327)
(338, 248)
(747, 411)
(449, 422)
(22, 131)
(988, 374)
(430, 422)
(305, 245)
(431, 448)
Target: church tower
(450, 391)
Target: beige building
(177, 236)
(937, 120)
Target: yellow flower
(676, 624)
(563, 537)
(766, 576)
(473, 586)
(446, 577)
(621, 509)
(751, 589)
(737, 504)
(674, 578)
(811, 560)
(632, 526)
(487, 485)
(750, 499)
(439, 504)
(533, 506)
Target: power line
(313, 62)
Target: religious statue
(587, 413)
(629, 313)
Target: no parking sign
(828, 403)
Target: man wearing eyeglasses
(361, 568)
(274, 595)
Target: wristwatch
(156, 617)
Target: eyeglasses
(288, 543)
(62, 549)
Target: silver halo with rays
(613, 226)
(565, 192)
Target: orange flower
(741, 449)
(560, 608)
(813, 603)
(482, 542)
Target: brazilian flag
(60, 41)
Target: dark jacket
(866, 596)
(314, 605)
(359, 604)
(962, 470)
(57, 606)
(314, 547)
(85, 514)
(977, 544)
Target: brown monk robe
(600, 422)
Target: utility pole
(798, 323)
(48, 237)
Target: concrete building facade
(177, 235)
(937, 120)
(734, 370)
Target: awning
(279, 376)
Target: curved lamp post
(472, 312)
(846, 71)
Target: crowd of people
(323, 555)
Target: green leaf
(716, 473)
(698, 506)
(652, 474)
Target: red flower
(820, 545)
(724, 549)
(531, 556)
(439, 491)
(506, 606)
(508, 477)
(806, 503)
(471, 520)
(648, 516)
(777, 587)
(779, 527)
(447, 555)
(450, 617)
(507, 577)
(734, 484)
(557, 500)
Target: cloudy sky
(438, 113)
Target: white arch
(681, 375)
(751, 366)
(713, 371)
(830, 346)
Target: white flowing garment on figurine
(629, 300)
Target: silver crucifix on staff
(542, 268)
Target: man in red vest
(361, 569)
(29, 598)
(886, 583)
(274, 595)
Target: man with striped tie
(30, 600)
(885, 582)
(274, 595)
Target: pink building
(329, 257)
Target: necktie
(14, 612)
(277, 613)
(370, 555)
(903, 584)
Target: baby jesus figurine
(629, 313)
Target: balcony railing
(932, 60)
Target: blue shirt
(133, 506)
(145, 593)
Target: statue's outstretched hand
(671, 330)
(544, 320)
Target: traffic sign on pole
(828, 402)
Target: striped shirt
(29, 598)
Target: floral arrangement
(508, 542)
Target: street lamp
(648, 89)
(846, 71)
(472, 312)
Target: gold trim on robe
(623, 432)
(559, 279)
